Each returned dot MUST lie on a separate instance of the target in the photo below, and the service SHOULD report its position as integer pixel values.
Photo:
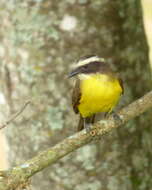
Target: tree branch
(13, 117)
(20, 174)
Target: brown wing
(76, 96)
(121, 84)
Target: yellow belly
(99, 93)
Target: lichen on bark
(40, 53)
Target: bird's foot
(87, 127)
(117, 118)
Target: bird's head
(89, 65)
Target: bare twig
(13, 117)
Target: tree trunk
(39, 49)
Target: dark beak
(73, 73)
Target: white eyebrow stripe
(88, 60)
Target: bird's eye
(85, 66)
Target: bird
(97, 89)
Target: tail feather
(87, 120)
(81, 123)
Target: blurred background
(40, 40)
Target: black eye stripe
(94, 67)
(85, 66)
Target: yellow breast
(99, 93)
